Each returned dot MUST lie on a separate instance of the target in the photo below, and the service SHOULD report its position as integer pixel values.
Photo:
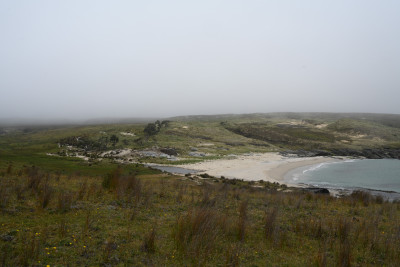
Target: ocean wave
(314, 167)
(351, 160)
(298, 175)
(324, 164)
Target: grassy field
(65, 211)
(125, 218)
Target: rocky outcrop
(369, 153)
(316, 190)
(197, 154)
(169, 151)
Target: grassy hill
(211, 136)
(59, 209)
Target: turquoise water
(375, 174)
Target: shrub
(111, 180)
(361, 196)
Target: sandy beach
(270, 167)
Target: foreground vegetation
(126, 217)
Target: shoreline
(271, 167)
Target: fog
(77, 60)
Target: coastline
(270, 167)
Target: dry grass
(165, 220)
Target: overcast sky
(89, 59)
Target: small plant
(344, 257)
(34, 177)
(9, 169)
(5, 194)
(45, 195)
(180, 193)
(270, 222)
(65, 200)
(82, 190)
(148, 244)
(88, 222)
(232, 256)
(242, 220)
(62, 227)
(108, 248)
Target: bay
(374, 174)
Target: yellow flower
(54, 247)
(84, 246)
(46, 248)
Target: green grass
(216, 135)
(66, 211)
(369, 128)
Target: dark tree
(114, 139)
(151, 129)
(165, 123)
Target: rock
(7, 238)
(317, 190)
(369, 153)
(169, 151)
(197, 154)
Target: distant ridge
(119, 120)
(17, 122)
(392, 120)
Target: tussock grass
(148, 244)
(124, 218)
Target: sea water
(374, 174)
